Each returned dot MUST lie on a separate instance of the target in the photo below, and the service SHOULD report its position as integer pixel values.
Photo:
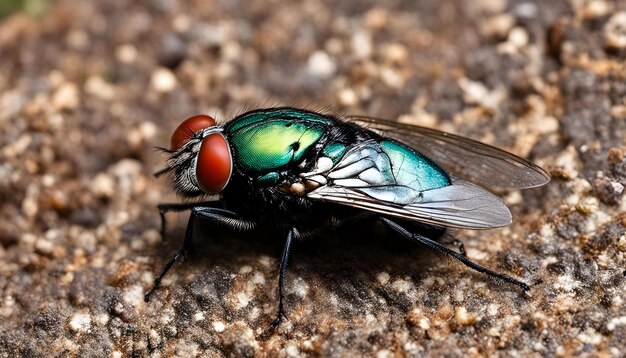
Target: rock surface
(88, 88)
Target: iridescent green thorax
(267, 141)
(275, 113)
(413, 169)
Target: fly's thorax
(273, 146)
(308, 175)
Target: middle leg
(284, 259)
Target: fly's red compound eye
(185, 130)
(214, 165)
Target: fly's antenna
(160, 172)
(163, 150)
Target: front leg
(212, 215)
(178, 207)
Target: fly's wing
(464, 157)
(460, 205)
(371, 176)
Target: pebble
(615, 31)
(595, 9)
(396, 53)
(98, 87)
(477, 93)
(44, 247)
(126, 53)
(78, 40)
(11, 102)
(66, 97)
(498, 26)
(463, 317)
(347, 97)
(527, 10)
(518, 37)
(198, 316)
(103, 186)
(402, 286)
(362, 44)
(376, 18)
(391, 78)
(382, 278)
(134, 295)
(609, 192)
(321, 65)
(292, 351)
(181, 23)
(491, 6)
(80, 322)
(163, 80)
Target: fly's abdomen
(412, 169)
(385, 170)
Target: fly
(274, 162)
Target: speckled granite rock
(89, 88)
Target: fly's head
(200, 158)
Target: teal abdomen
(268, 141)
(413, 169)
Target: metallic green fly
(299, 169)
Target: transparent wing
(467, 158)
(460, 205)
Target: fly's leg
(178, 207)
(446, 239)
(284, 259)
(433, 245)
(214, 216)
(338, 223)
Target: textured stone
(90, 88)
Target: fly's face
(201, 159)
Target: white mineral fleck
(615, 31)
(133, 295)
(245, 269)
(321, 65)
(98, 87)
(499, 25)
(198, 316)
(362, 44)
(163, 80)
(219, 326)
(347, 97)
(401, 285)
(66, 97)
(126, 53)
(384, 354)
(382, 278)
(615, 322)
(80, 322)
(292, 351)
(518, 37)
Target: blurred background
(89, 88)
